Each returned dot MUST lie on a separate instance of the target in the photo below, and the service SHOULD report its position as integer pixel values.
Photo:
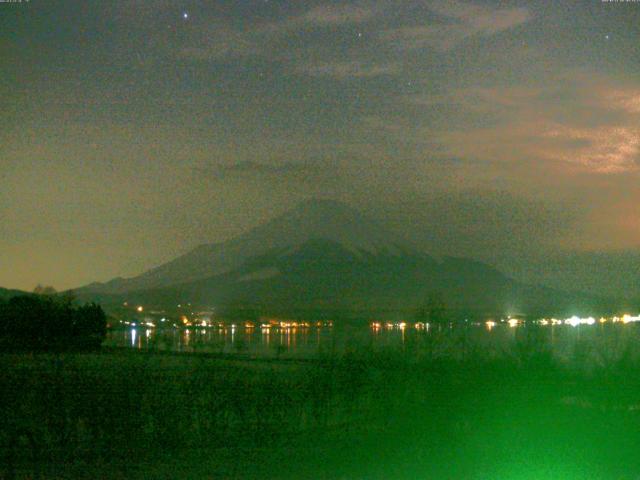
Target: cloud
(603, 150)
(336, 15)
(248, 167)
(629, 101)
(214, 40)
(605, 93)
(480, 223)
(595, 128)
(624, 99)
(138, 11)
(614, 149)
(460, 21)
(479, 19)
(353, 69)
(481, 99)
(217, 41)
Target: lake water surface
(585, 343)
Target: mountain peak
(314, 219)
(323, 205)
(323, 219)
(319, 211)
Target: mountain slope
(310, 220)
(7, 293)
(323, 257)
(321, 278)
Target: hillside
(317, 219)
(6, 293)
(322, 278)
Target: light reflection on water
(596, 343)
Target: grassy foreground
(362, 415)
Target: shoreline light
(629, 319)
(575, 321)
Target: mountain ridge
(6, 293)
(311, 219)
(327, 257)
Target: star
(185, 15)
(606, 37)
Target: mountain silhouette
(5, 293)
(313, 219)
(322, 258)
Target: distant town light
(628, 318)
(575, 321)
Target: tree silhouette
(44, 290)
(50, 322)
(433, 310)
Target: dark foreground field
(363, 415)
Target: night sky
(133, 131)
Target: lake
(598, 343)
